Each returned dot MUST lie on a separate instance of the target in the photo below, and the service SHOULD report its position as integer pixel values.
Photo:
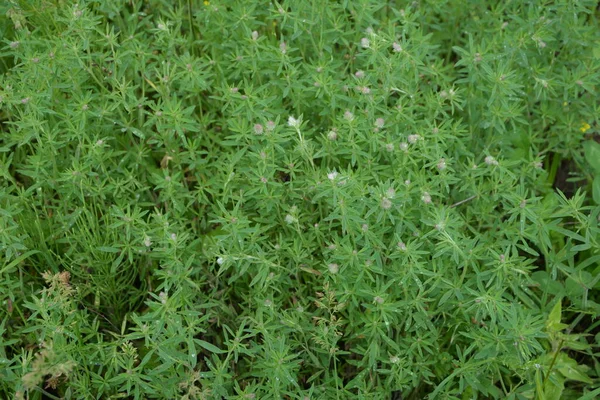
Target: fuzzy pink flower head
(386, 203)
(258, 129)
(379, 123)
(332, 135)
(426, 198)
(441, 165)
(397, 48)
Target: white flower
(254, 35)
(365, 43)
(348, 116)
(412, 139)
(293, 122)
(290, 219)
(404, 146)
(163, 297)
(397, 48)
(147, 241)
(379, 122)
(332, 175)
(394, 360)
(220, 260)
(332, 135)
(333, 268)
(489, 160)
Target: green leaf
(553, 323)
(592, 154)
(596, 189)
(571, 370)
(16, 261)
(590, 395)
(208, 346)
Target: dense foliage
(299, 199)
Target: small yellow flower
(206, 2)
(584, 127)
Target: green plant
(298, 200)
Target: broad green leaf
(592, 154)
(596, 189)
(570, 369)
(553, 323)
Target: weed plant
(299, 200)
